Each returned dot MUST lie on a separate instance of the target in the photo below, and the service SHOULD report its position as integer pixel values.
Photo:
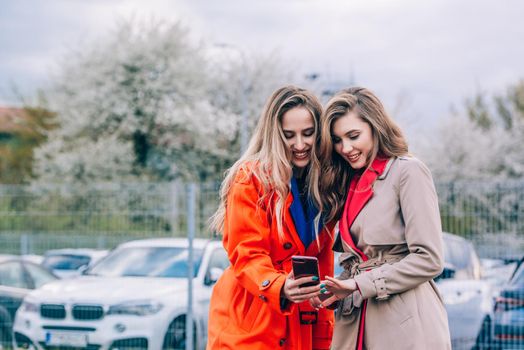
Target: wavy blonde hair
(267, 156)
(332, 178)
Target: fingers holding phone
(295, 291)
(303, 283)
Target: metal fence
(490, 214)
(35, 219)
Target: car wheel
(6, 330)
(175, 338)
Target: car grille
(54, 311)
(79, 312)
(88, 312)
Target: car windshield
(148, 262)
(65, 262)
(518, 277)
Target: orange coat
(245, 310)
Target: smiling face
(299, 133)
(352, 139)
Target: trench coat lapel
(360, 192)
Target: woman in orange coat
(266, 216)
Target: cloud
(434, 53)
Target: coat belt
(353, 266)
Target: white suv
(136, 297)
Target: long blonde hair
(267, 156)
(333, 176)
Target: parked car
(466, 296)
(136, 297)
(498, 271)
(460, 258)
(66, 263)
(17, 278)
(504, 327)
(34, 258)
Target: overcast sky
(420, 57)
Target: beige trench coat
(399, 224)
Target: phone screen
(305, 266)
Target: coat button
(265, 283)
(262, 297)
(281, 342)
(287, 245)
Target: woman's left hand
(316, 303)
(293, 291)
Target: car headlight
(29, 306)
(136, 307)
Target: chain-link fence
(490, 214)
(35, 221)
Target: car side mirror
(82, 269)
(213, 275)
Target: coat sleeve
(323, 329)
(247, 240)
(423, 234)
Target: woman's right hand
(293, 292)
(339, 288)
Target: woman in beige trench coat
(390, 231)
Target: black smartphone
(305, 266)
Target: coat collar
(384, 173)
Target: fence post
(24, 244)
(173, 210)
(191, 194)
(101, 242)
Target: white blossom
(147, 103)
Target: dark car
(72, 262)
(504, 329)
(17, 278)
